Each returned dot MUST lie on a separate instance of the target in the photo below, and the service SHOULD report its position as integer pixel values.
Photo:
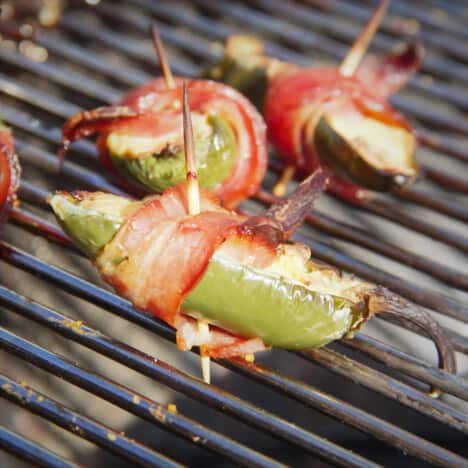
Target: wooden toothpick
(193, 200)
(166, 70)
(352, 60)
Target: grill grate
(364, 236)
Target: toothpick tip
(164, 63)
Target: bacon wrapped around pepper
(9, 172)
(140, 140)
(321, 116)
(236, 273)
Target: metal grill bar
(304, 393)
(392, 388)
(30, 452)
(163, 372)
(107, 438)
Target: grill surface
(104, 373)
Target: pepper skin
(318, 116)
(140, 140)
(10, 172)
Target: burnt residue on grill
(88, 354)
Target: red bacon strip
(151, 111)
(387, 75)
(161, 253)
(10, 172)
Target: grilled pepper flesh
(278, 304)
(158, 171)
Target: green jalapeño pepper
(279, 304)
(215, 155)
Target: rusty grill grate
(354, 403)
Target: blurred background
(57, 57)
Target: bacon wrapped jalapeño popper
(140, 140)
(339, 117)
(186, 263)
(9, 172)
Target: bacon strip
(385, 76)
(10, 173)
(151, 110)
(161, 253)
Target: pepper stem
(397, 309)
(282, 185)
(352, 60)
(166, 70)
(193, 199)
(285, 216)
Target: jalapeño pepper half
(279, 304)
(215, 155)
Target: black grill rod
(391, 23)
(379, 206)
(260, 21)
(71, 80)
(410, 365)
(200, 47)
(309, 395)
(316, 219)
(105, 437)
(347, 32)
(306, 39)
(387, 386)
(114, 40)
(124, 309)
(382, 352)
(449, 208)
(440, 142)
(29, 452)
(422, 14)
(58, 45)
(369, 203)
(49, 163)
(447, 181)
(423, 296)
(156, 413)
(317, 399)
(30, 124)
(437, 142)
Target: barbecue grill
(107, 381)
